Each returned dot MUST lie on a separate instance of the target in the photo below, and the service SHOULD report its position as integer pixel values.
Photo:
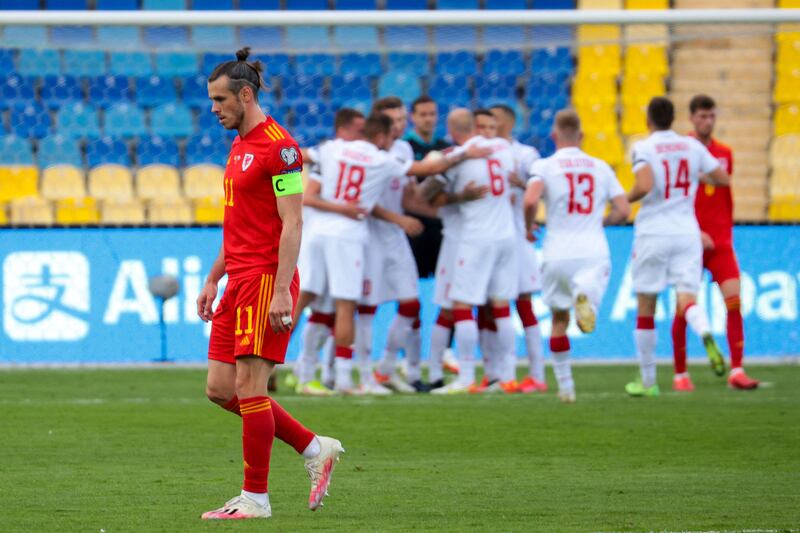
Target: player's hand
(205, 301)
(516, 182)
(530, 235)
(354, 211)
(708, 242)
(474, 192)
(477, 152)
(411, 226)
(280, 311)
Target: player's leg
(440, 339)
(645, 339)
(503, 286)
(466, 333)
(343, 337)
(535, 381)
(318, 330)
(363, 352)
(487, 334)
(401, 335)
(221, 376)
(560, 349)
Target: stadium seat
(313, 115)
(122, 212)
(158, 150)
(315, 64)
(157, 181)
(109, 90)
(18, 181)
(205, 148)
(399, 38)
(174, 64)
(301, 88)
(553, 4)
(107, 150)
(172, 120)
(600, 4)
(78, 120)
(646, 59)
(31, 211)
(311, 136)
(410, 62)
(164, 4)
(357, 4)
(4, 220)
(65, 5)
(787, 87)
(213, 37)
(60, 90)
(152, 91)
(360, 105)
(28, 5)
(63, 181)
(24, 36)
(84, 62)
(30, 121)
(272, 5)
(456, 63)
(638, 89)
(111, 181)
(77, 212)
(598, 119)
(166, 36)
(541, 121)
(454, 37)
(355, 37)
(606, 146)
(15, 89)
(215, 5)
(64, 36)
(600, 59)
(407, 4)
(788, 56)
(551, 59)
(646, 4)
(59, 149)
(457, 4)
(361, 64)
(495, 87)
(784, 152)
(350, 87)
(503, 62)
(505, 36)
(39, 62)
(169, 212)
(307, 38)
(124, 120)
(203, 181)
(117, 5)
(506, 4)
(787, 119)
(267, 38)
(130, 64)
(550, 93)
(195, 92)
(306, 4)
(119, 36)
(7, 60)
(209, 210)
(15, 150)
(450, 88)
(634, 119)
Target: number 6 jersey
(577, 187)
(677, 163)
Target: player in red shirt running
(714, 210)
(252, 323)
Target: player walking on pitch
(667, 249)
(252, 323)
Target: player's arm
(642, 182)
(290, 211)
(437, 165)
(530, 203)
(413, 203)
(312, 197)
(620, 211)
(410, 225)
(433, 192)
(209, 291)
(717, 177)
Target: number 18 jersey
(677, 163)
(577, 187)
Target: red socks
(289, 430)
(735, 331)
(526, 314)
(444, 322)
(344, 352)
(258, 432)
(559, 344)
(679, 343)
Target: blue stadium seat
(306, 4)
(176, 64)
(24, 35)
(544, 145)
(59, 150)
(71, 35)
(205, 37)
(311, 136)
(207, 122)
(553, 4)
(6, 60)
(117, 5)
(555, 35)
(213, 5)
(405, 37)
(350, 87)
(255, 5)
(125, 119)
(355, 37)
(457, 4)
(505, 36)
(541, 120)
(130, 64)
(314, 64)
(454, 37)
(261, 38)
(39, 62)
(301, 88)
(195, 92)
(361, 105)
(164, 4)
(312, 115)
(65, 5)
(308, 37)
(404, 85)
(552, 59)
(366, 5)
(158, 150)
(166, 36)
(450, 88)
(15, 88)
(107, 150)
(119, 36)
(84, 62)
(59, 90)
(495, 87)
(411, 62)
(503, 62)
(506, 4)
(456, 63)
(28, 5)
(209, 61)
(78, 120)
(406, 4)
(366, 64)
(155, 90)
(206, 148)
(546, 94)
(108, 90)
(30, 120)
(15, 150)
(171, 120)
(277, 64)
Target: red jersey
(713, 205)
(263, 165)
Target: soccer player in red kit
(714, 210)
(251, 326)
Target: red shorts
(722, 264)
(240, 325)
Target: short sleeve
(399, 167)
(285, 167)
(537, 171)
(640, 155)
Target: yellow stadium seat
(158, 181)
(63, 181)
(209, 210)
(625, 175)
(77, 212)
(655, 34)
(3, 215)
(122, 212)
(789, 4)
(630, 141)
(788, 56)
(111, 181)
(31, 211)
(646, 4)
(634, 119)
(606, 146)
(599, 33)
(787, 33)
(203, 181)
(170, 211)
(784, 152)
(646, 59)
(784, 182)
(599, 4)
(598, 119)
(18, 182)
(787, 119)
(787, 87)
(594, 89)
(599, 59)
(785, 209)
(638, 89)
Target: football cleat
(567, 396)
(456, 387)
(372, 389)
(529, 385)
(397, 384)
(715, 357)
(682, 384)
(510, 387)
(239, 508)
(439, 383)
(449, 362)
(421, 386)
(383, 379)
(480, 388)
(637, 390)
(739, 380)
(291, 380)
(313, 388)
(584, 314)
(320, 470)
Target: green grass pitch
(143, 450)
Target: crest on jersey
(247, 161)
(289, 156)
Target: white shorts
(564, 279)
(444, 272)
(662, 260)
(391, 271)
(485, 270)
(323, 303)
(304, 262)
(530, 276)
(338, 268)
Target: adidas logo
(245, 342)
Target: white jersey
(577, 187)
(491, 218)
(677, 163)
(354, 172)
(392, 196)
(524, 156)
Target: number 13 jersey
(577, 187)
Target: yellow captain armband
(287, 184)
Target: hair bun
(243, 54)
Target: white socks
(363, 345)
(504, 341)
(466, 342)
(563, 371)
(413, 356)
(697, 320)
(440, 337)
(533, 343)
(313, 448)
(344, 373)
(398, 335)
(646, 351)
(314, 337)
(261, 498)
